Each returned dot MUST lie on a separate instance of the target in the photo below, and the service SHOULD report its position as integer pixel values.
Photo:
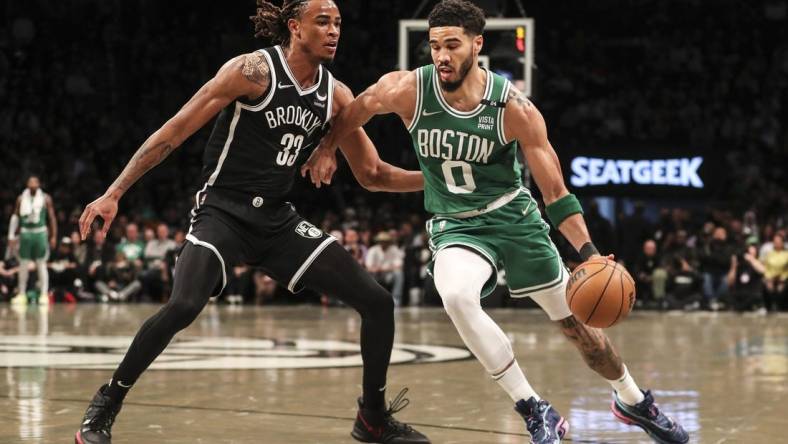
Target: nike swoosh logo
(321, 98)
(124, 385)
(425, 113)
(283, 86)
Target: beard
(465, 68)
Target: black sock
(116, 391)
(375, 399)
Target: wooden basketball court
(284, 375)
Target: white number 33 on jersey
(291, 145)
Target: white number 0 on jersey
(468, 185)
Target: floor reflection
(722, 376)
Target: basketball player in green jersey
(467, 124)
(34, 212)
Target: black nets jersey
(255, 148)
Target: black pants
(226, 231)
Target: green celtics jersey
(465, 160)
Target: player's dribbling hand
(321, 165)
(611, 257)
(105, 207)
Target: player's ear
(478, 43)
(295, 27)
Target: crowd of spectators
(679, 261)
(720, 261)
(83, 84)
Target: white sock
(513, 381)
(626, 388)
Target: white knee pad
(553, 300)
(460, 275)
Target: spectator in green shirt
(132, 246)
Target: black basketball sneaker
(648, 417)
(380, 426)
(543, 422)
(96, 425)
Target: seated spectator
(131, 246)
(683, 286)
(776, 273)
(63, 271)
(99, 256)
(155, 276)
(715, 262)
(8, 270)
(120, 282)
(384, 261)
(354, 246)
(745, 281)
(649, 276)
(80, 250)
(169, 259)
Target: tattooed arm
(371, 172)
(395, 92)
(244, 76)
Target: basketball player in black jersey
(273, 106)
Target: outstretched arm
(525, 123)
(243, 76)
(370, 171)
(395, 92)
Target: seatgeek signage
(640, 171)
(677, 172)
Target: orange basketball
(600, 292)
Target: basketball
(600, 292)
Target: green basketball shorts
(33, 246)
(514, 239)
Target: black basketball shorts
(243, 229)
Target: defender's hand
(105, 207)
(321, 165)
